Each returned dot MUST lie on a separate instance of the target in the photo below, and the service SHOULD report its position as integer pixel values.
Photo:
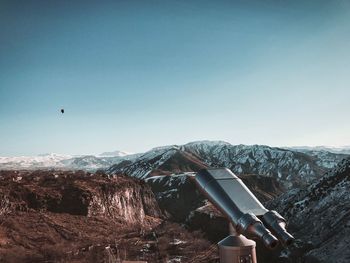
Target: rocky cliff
(78, 193)
(319, 217)
(75, 216)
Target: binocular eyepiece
(232, 197)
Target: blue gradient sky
(132, 75)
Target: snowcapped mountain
(28, 162)
(58, 161)
(284, 164)
(338, 150)
(87, 162)
(114, 154)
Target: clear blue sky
(133, 75)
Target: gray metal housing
(232, 197)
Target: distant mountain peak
(165, 148)
(209, 143)
(53, 155)
(332, 149)
(116, 153)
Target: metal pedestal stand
(237, 249)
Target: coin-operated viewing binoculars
(235, 201)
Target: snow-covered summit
(207, 143)
(60, 161)
(332, 149)
(43, 160)
(114, 154)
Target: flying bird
(62, 111)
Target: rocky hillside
(159, 161)
(319, 216)
(119, 198)
(326, 157)
(288, 166)
(62, 216)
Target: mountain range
(61, 161)
(344, 149)
(308, 186)
(291, 165)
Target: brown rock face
(78, 193)
(64, 216)
(53, 215)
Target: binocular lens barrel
(229, 194)
(277, 224)
(269, 241)
(250, 225)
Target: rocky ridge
(293, 168)
(319, 216)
